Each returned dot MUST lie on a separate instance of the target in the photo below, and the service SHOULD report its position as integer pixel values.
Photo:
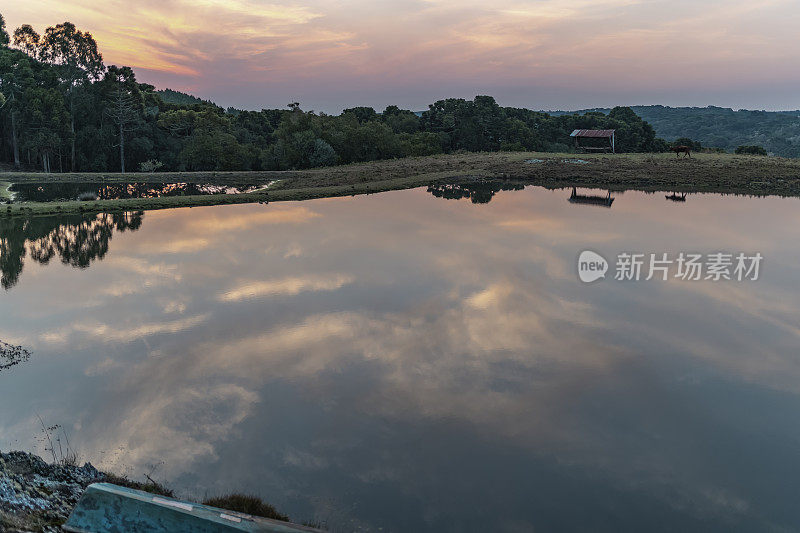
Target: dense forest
(778, 132)
(64, 110)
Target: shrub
(150, 166)
(751, 150)
(512, 147)
(322, 154)
(87, 196)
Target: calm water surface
(407, 362)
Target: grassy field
(724, 173)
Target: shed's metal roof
(592, 133)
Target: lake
(411, 361)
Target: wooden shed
(590, 199)
(594, 134)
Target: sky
(540, 54)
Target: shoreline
(39, 496)
(706, 173)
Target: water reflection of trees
(49, 192)
(479, 192)
(76, 239)
(11, 355)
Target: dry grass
(243, 503)
(720, 173)
(150, 486)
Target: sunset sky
(544, 54)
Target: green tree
(400, 120)
(633, 134)
(211, 145)
(16, 75)
(79, 62)
(464, 125)
(751, 150)
(420, 144)
(322, 154)
(27, 40)
(47, 120)
(123, 103)
(4, 39)
(362, 114)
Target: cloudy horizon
(545, 54)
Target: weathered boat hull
(105, 507)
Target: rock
(35, 495)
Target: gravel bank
(36, 496)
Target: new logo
(591, 266)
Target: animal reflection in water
(591, 199)
(675, 197)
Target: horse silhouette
(684, 149)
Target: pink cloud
(257, 54)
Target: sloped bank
(36, 496)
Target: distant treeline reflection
(77, 240)
(479, 192)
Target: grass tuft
(150, 486)
(87, 196)
(243, 503)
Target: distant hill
(722, 127)
(176, 97)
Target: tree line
(62, 109)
